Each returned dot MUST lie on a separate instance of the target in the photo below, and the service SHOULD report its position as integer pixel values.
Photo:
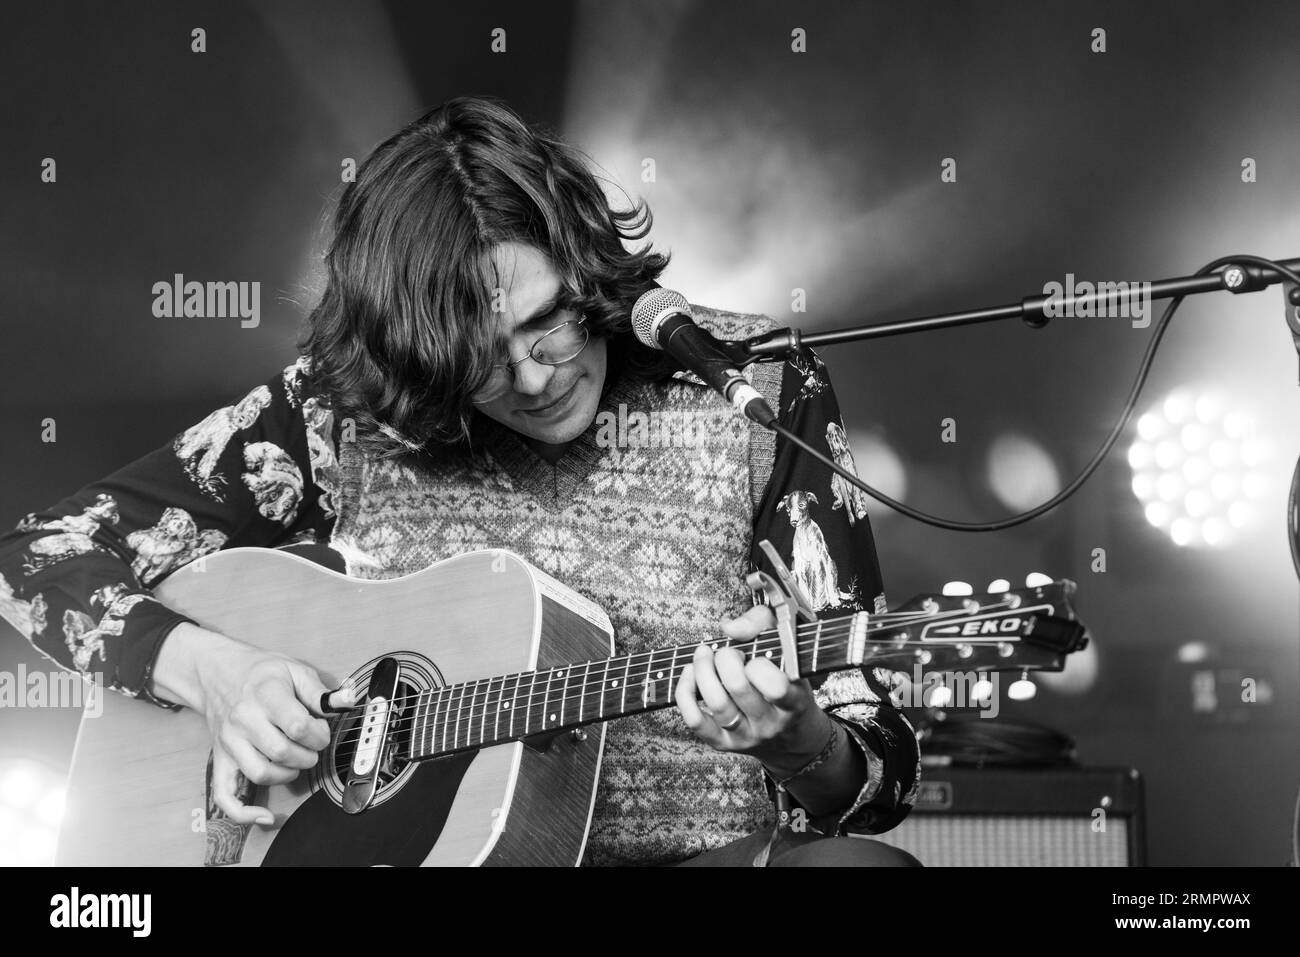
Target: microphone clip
(771, 346)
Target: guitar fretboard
(511, 707)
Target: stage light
(940, 696)
(31, 806)
(1198, 463)
(11, 825)
(877, 464)
(20, 786)
(1020, 472)
(35, 847)
(50, 809)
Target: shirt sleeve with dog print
(818, 524)
(75, 579)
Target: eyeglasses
(554, 347)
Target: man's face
(550, 404)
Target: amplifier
(999, 817)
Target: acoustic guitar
(479, 741)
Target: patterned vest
(649, 514)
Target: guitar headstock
(1020, 629)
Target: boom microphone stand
(1236, 274)
(1241, 274)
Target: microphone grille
(652, 308)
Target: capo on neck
(788, 603)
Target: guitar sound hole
(399, 736)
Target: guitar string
(838, 627)
(626, 663)
(467, 712)
(841, 627)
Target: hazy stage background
(774, 170)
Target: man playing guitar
(469, 380)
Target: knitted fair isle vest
(658, 536)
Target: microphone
(662, 319)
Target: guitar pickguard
(398, 833)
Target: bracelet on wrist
(821, 757)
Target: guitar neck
(476, 714)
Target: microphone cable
(1019, 519)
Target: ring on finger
(733, 724)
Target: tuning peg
(958, 589)
(981, 691)
(998, 585)
(1022, 689)
(1037, 580)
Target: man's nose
(532, 377)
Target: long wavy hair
(404, 332)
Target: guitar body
(138, 788)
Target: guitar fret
(468, 711)
(582, 692)
(661, 674)
(460, 707)
(482, 718)
(510, 705)
(647, 689)
(496, 710)
(426, 729)
(482, 711)
(604, 684)
(571, 677)
(452, 713)
(417, 725)
(528, 704)
(627, 669)
(444, 691)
